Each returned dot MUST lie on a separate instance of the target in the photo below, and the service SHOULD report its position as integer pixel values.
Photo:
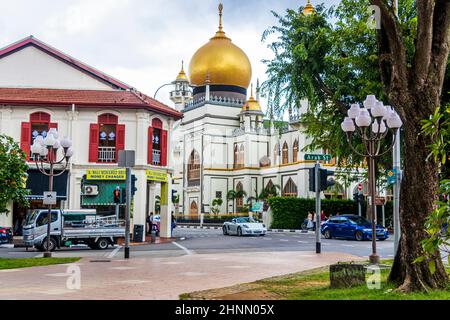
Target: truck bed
(96, 232)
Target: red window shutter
(163, 148)
(25, 138)
(93, 142)
(120, 142)
(53, 125)
(150, 145)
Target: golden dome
(309, 9)
(252, 104)
(182, 75)
(224, 62)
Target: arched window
(238, 156)
(193, 208)
(240, 200)
(276, 152)
(38, 125)
(193, 171)
(290, 189)
(295, 151)
(241, 156)
(285, 154)
(157, 144)
(269, 184)
(106, 139)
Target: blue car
(351, 227)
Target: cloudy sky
(141, 42)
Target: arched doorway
(194, 208)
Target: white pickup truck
(72, 227)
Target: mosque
(224, 141)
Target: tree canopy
(13, 174)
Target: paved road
(205, 241)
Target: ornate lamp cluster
(46, 151)
(42, 148)
(372, 123)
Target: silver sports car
(244, 226)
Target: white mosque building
(224, 142)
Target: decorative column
(142, 123)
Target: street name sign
(49, 198)
(317, 157)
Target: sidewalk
(157, 278)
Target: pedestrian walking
(173, 223)
(150, 223)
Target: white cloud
(141, 42)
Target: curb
(269, 230)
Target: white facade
(32, 68)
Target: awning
(37, 183)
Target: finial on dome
(220, 16)
(182, 75)
(309, 9)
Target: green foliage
(331, 64)
(290, 212)
(13, 174)
(216, 204)
(269, 191)
(437, 126)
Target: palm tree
(232, 195)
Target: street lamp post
(45, 152)
(371, 123)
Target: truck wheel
(102, 243)
(52, 245)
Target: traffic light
(324, 182)
(361, 199)
(133, 185)
(174, 194)
(312, 179)
(116, 195)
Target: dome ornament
(220, 16)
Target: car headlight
(245, 226)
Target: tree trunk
(419, 187)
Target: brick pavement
(157, 278)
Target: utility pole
(397, 169)
(127, 160)
(318, 206)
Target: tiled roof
(84, 98)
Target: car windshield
(358, 220)
(245, 220)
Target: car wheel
(52, 245)
(262, 235)
(328, 234)
(224, 229)
(239, 232)
(102, 244)
(359, 236)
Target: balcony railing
(107, 154)
(156, 157)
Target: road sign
(49, 197)
(317, 157)
(258, 206)
(380, 201)
(360, 187)
(391, 176)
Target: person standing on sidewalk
(173, 223)
(150, 223)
